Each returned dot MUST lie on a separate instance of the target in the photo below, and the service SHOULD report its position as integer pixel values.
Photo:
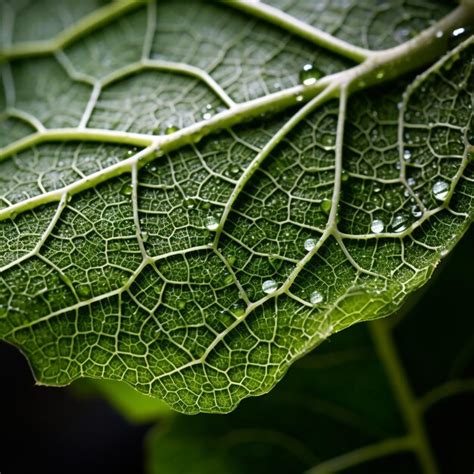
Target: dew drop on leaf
(316, 297)
(144, 236)
(189, 203)
(126, 189)
(440, 190)
(416, 211)
(309, 74)
(309, 244)
(326, 206)
(232, 169)
(458, 35)
(269, 286)
(83, 291)
(171, 129)
(238, 309)
(407, 155)
(212, 223)
(229, 279)
(377, 226)
(400, 222)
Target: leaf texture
(179, 212)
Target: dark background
(52, 430)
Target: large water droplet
(377, 226)
(212, 223)
(83, 291)
(144, 235)
(316, 297)
(326, 206)
(269, 286)
(126, 189)
(400, 222)
(309, 244)
(416, 211)
(232, 169)
(407, 155)
(440, 190)
(309, 74)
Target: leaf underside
(154, 273)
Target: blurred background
(54, 430)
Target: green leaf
(179, 212)
(352, 406)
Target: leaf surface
(179, 212)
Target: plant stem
(405, 398)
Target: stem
(401, 388)
(359, 456)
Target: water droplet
(238, 309)
(231, 259)
(171, 129)
(126, 189)
(326, 206)
(407, 155)
(189, 203)
(400, 222)
(233, 169)
(377, 226)
(380, 75)
(416, 211)
(439, 34)
(132, 151)
(212, 223)
(328, 141)
(229, 279)
(269, 286)
(299, 98)
(316, 297)
(440, 190)
(344, 176)
(144, 236)
(207, 114)
(411, 182)
(459, 35)
(83, 291)
(309, 244)
(309, 74)
(444, 253)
